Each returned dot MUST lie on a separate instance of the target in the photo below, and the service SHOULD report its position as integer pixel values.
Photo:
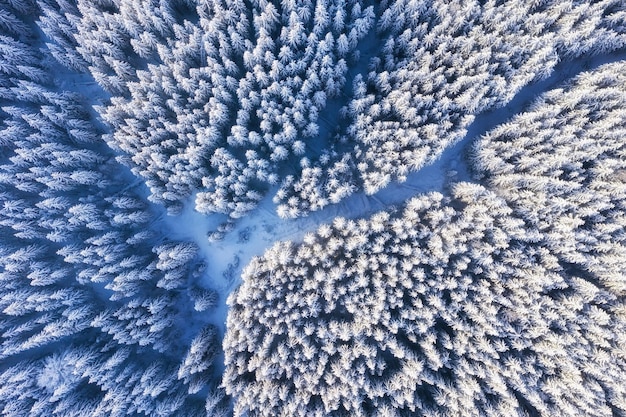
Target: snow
(329, 117)
(253, 234)
(261, 228)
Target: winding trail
(260, 229)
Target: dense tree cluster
(502, 298)
(437, 311)
(439, 64)
(219, 100)
(562, 168)
(505, 300)
(95, 302)
(214, 98)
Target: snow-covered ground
(253, 234)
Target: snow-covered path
(259, 230)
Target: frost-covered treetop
(505, 300)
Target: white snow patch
(261, 228)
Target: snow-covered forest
(504, 299)
(293, 208)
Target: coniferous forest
(312, 208)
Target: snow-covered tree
(442, 310)
(440, 64)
